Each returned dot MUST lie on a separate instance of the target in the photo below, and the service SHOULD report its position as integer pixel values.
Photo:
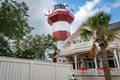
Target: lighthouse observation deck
(60, 13)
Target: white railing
(85, 72)
(114, 71)
(78, 45)
(83, 46)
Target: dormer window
(76, 41)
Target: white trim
(115, 54)
(60, 10)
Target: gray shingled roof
(115, 25)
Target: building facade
(76, 51)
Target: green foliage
(100, 19)
(27, 54)
(4, 47)
(99, 26)
(85, 34)
(13, 19)
(34, 46)
(13, 24)
(109, 34)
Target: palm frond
(85, 34)
(100, 19)
(109, 34)
(103, 18)
(92, 23)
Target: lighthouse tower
(60, 20)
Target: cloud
(39, 21)
(84, 12)
(37, 18)
(87, 10)
(116, 4)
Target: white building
(76, 51)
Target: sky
(82, 9)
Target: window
(111, 63)
(89, 63)
(78, 64)
(73, 65)
(60, 6)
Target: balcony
(79, 45)
(82, 47)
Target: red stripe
(61, 35)
(60, 16)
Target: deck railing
(83, 46)
(114, 71)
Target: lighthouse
(60, 19)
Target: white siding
(21, 69)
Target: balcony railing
(78, 45)
(83, 46)
(114, 71)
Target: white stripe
(59, 44)
(61, 25)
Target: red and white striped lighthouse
(60, 20)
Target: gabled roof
(115, 25)
(73, 35)
(112, 26)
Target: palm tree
(98, 27)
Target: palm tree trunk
(107, 73)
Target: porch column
(75, 60)
(101, 65)
(116, 57)
(96, 66)
(67, 60)
(95, 63)
(82, 65)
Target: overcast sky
(82, 10)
